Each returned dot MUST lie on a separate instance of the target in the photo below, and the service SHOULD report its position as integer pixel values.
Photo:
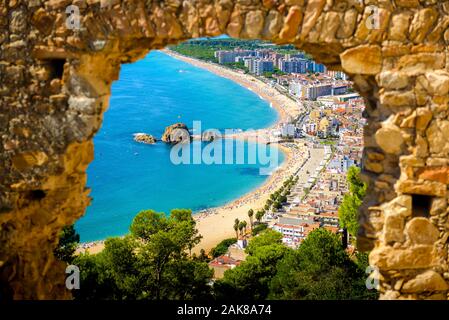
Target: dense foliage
(279, 197)
(319, 269)
(196, 51)
(251, 279)
(348, 211)
(259, 228)
(222, 247)
(152, 262)
(204, 49)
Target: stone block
(254, 23)
(394, 228)
(438, 137)
(439, 174)
(393, 80)
(26, 160)
(422, 23)
(291, 24)
(362, 60)
(421, 63)
(421, 231)
(389, 139)
(399, 26)
(398, 98)
(428, 281)
(423, 118)
(422, 188)
(413, 257)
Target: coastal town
(320, 132)
(324, 136)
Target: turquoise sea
(127, 177)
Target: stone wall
(55, 84)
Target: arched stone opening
(56, 70)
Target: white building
(225, 56)
(288, 130)
(310, 91)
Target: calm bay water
(127, 177)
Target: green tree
(236, 227)
(259, 228)
(250, 280)
(203, 257)
(241, 227)
(96, 280)
(110, 274)
(266, 238)
(149, 263)
(245, 224)
(283, 199)
(250, 216)
(356, 185)
(319, 269)
(68, 242)
(348, 211)
(259, 215)
(148, 223)
(222, 247)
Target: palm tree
(250, 215)
(244, 226)
(236, 228)
(259, 215)
(241, 226)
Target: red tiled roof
(224, 260)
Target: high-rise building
(321, 68)
(226, 56)
(259, 67)
(339, 89)
(310, 91)
(293, 65)
(248, 62)
(314, 67)
(337, 75)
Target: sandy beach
(285, 106)
(216, 224)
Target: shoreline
(215, 224)
(284, 106)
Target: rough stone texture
(55, 85)
(429, 281)
(175, 133)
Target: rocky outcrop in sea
(176, 133)
(144, 138)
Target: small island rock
(176, 133)
(144, 138)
